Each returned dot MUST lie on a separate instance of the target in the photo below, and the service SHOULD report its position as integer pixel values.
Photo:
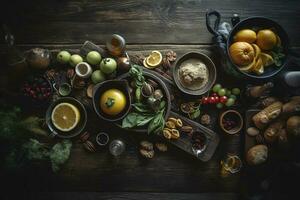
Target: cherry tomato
(211, 100)
(223, 99)
(205, 100)
(217, 99)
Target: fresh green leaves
(136, 72)
(144, 115)
(136, 119)
(59, 154)
(157, 123)
(35, 150)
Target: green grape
(236, 91)
(230, 102)
(220, 105)
(222, 92)
(217, 87)
(228, 92)
(232, 97)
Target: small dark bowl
(211, 70)
(100, 88)
(78, 129)
(232, 114)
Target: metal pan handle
(213, 29)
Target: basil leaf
(138, 94)
(140, 107)
(154, 123)
(162, 105)
(136, 119)
(145, 120)
(130, 120)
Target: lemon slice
(65, 117)
(267, 59)
(154, 59)
(259, 67)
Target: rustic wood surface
(147, 25)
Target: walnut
(161, 147)
(205, 119)
(147, 154)
(166, 63)
(146, 145)
(171, 56)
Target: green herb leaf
(136, 119)
(162, 105)
(138, 94)
(142, 108)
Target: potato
(257, 155)
(293, 126)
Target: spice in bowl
(193, 74)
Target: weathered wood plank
(144, 21)
(133, 196)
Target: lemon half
(65, 117)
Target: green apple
(93, 57)
(63, 57)
(75, 59)
(108, 65)
(98, 76)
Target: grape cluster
(221, 96)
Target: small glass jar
(117, 147)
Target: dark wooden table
(146, 25)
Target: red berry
(204, 100)
(223, 99)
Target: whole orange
(245, 35)
(266, 39)
(241, 53)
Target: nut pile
(147, 148)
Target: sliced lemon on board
(267, 59)
(154, 59)
(65, 117)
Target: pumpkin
(241, 53)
